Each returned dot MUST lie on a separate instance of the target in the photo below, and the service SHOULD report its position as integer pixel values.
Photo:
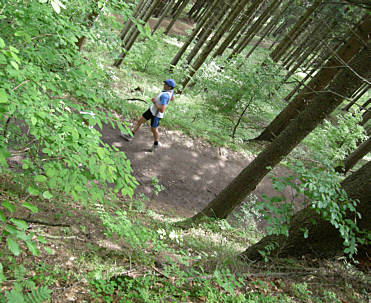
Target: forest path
(192, 171)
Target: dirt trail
(192, 171)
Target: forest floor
(192, 171)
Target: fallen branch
(43, 223)
(136, 99)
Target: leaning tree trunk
(162, 16)
(269, 28)
(323, 239)
(237, 28)
(357, 96)
(344, 84)
(176, 16)
(291, 36)
(320, 81)
(195, 32)
(363, 149)
(255, 27)
(214, 40)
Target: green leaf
(8, 206)
(20, 224)
(32, 247)
(40, 178)
(14, 64)
(50, 172)
(2, 43)
(47, 195)
(42, 240)
(48, 250)
(101, 152)
(3, 96)
(13, 246)
(33, 120)
(2, 217)
(56, 7)
(31, 207)
(15, 296)
(33, 191)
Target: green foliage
(236, 88)
(157, 187)
(319, 183)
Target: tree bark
(323, 239)
(176, 16)
(294, 33)
(357, 96)
(268, 29)
(255, 27)
(366, 116)
(195, 32)
(238, 27)
(321, 80)
(363, 149)
(214, 40)
(162, 16)
(344, 84)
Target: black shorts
(155, 121)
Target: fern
(38, 295)
(14, 296)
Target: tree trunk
(135, 34)
(366, 116)
(238, 27)
(294, 33)
(176, 16)
(162, 16)
(363, 149)
(320, 81)
(129, 23)
(255, 27)
(344, 84)
(268, 29)
(323, 239)
(195, 32)
(215, 39)
(364, 105)
(357, 96)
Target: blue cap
(170, 82)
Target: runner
(155, 113)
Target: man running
(155, 113)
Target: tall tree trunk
(215, 39)
(255, 27)
(363, 149)
(195, 32)
(199, 4)
(148, 13)
(176, 16)
(268, 28)
(207, 31)
(344, 84)
(366, 116)
(129, 23)
(324, 239)
(294, 33)
(364, 105)
(162, 16)
(321, 80)
(357, 96)
(237, 28)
